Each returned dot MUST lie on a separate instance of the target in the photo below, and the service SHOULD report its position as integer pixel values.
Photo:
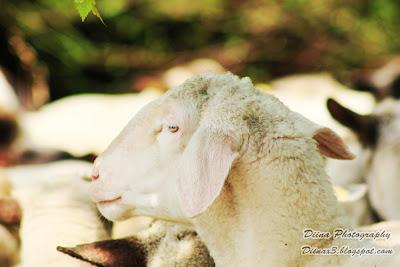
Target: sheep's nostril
(95, 172)
(94, 176)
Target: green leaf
(96, 12)
(84, 7)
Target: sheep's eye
(173, 128)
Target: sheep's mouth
(104, 202)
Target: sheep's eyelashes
(173, 128)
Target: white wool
(307, 95)
(8, 247)
(178, 74)
(57, 211)
(382, 170)
(176, 248)
(276, 188)
(130, 226)
(8, 100)
(82, 124)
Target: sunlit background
(47, 49)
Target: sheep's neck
(265, 227)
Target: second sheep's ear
(207, 161)
(109, 253)
(8, 130)
(395, 88)
(366, 127)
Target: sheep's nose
(95, 171)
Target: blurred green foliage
(259, 38)
(84, 7)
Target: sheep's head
(379, 133)
(173, 158)
(382, 82)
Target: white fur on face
(173, 157)
(139, 168)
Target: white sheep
(161, 244)
(56, 211)
(307, 95)
(178, 74)
(9, 107)
(81, 124)
(61, 122)
(142, 239)
(9, 132)
(235, 163)
(380, 134)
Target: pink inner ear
(331, 145)
(207, 163)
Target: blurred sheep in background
(383, 81)
(56, 211)
(379, 133)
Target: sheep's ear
(365, 85)
(364, 126)
(207, 161)
(395, 88)
(8, 130)
(331, 145)
(108, 253)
